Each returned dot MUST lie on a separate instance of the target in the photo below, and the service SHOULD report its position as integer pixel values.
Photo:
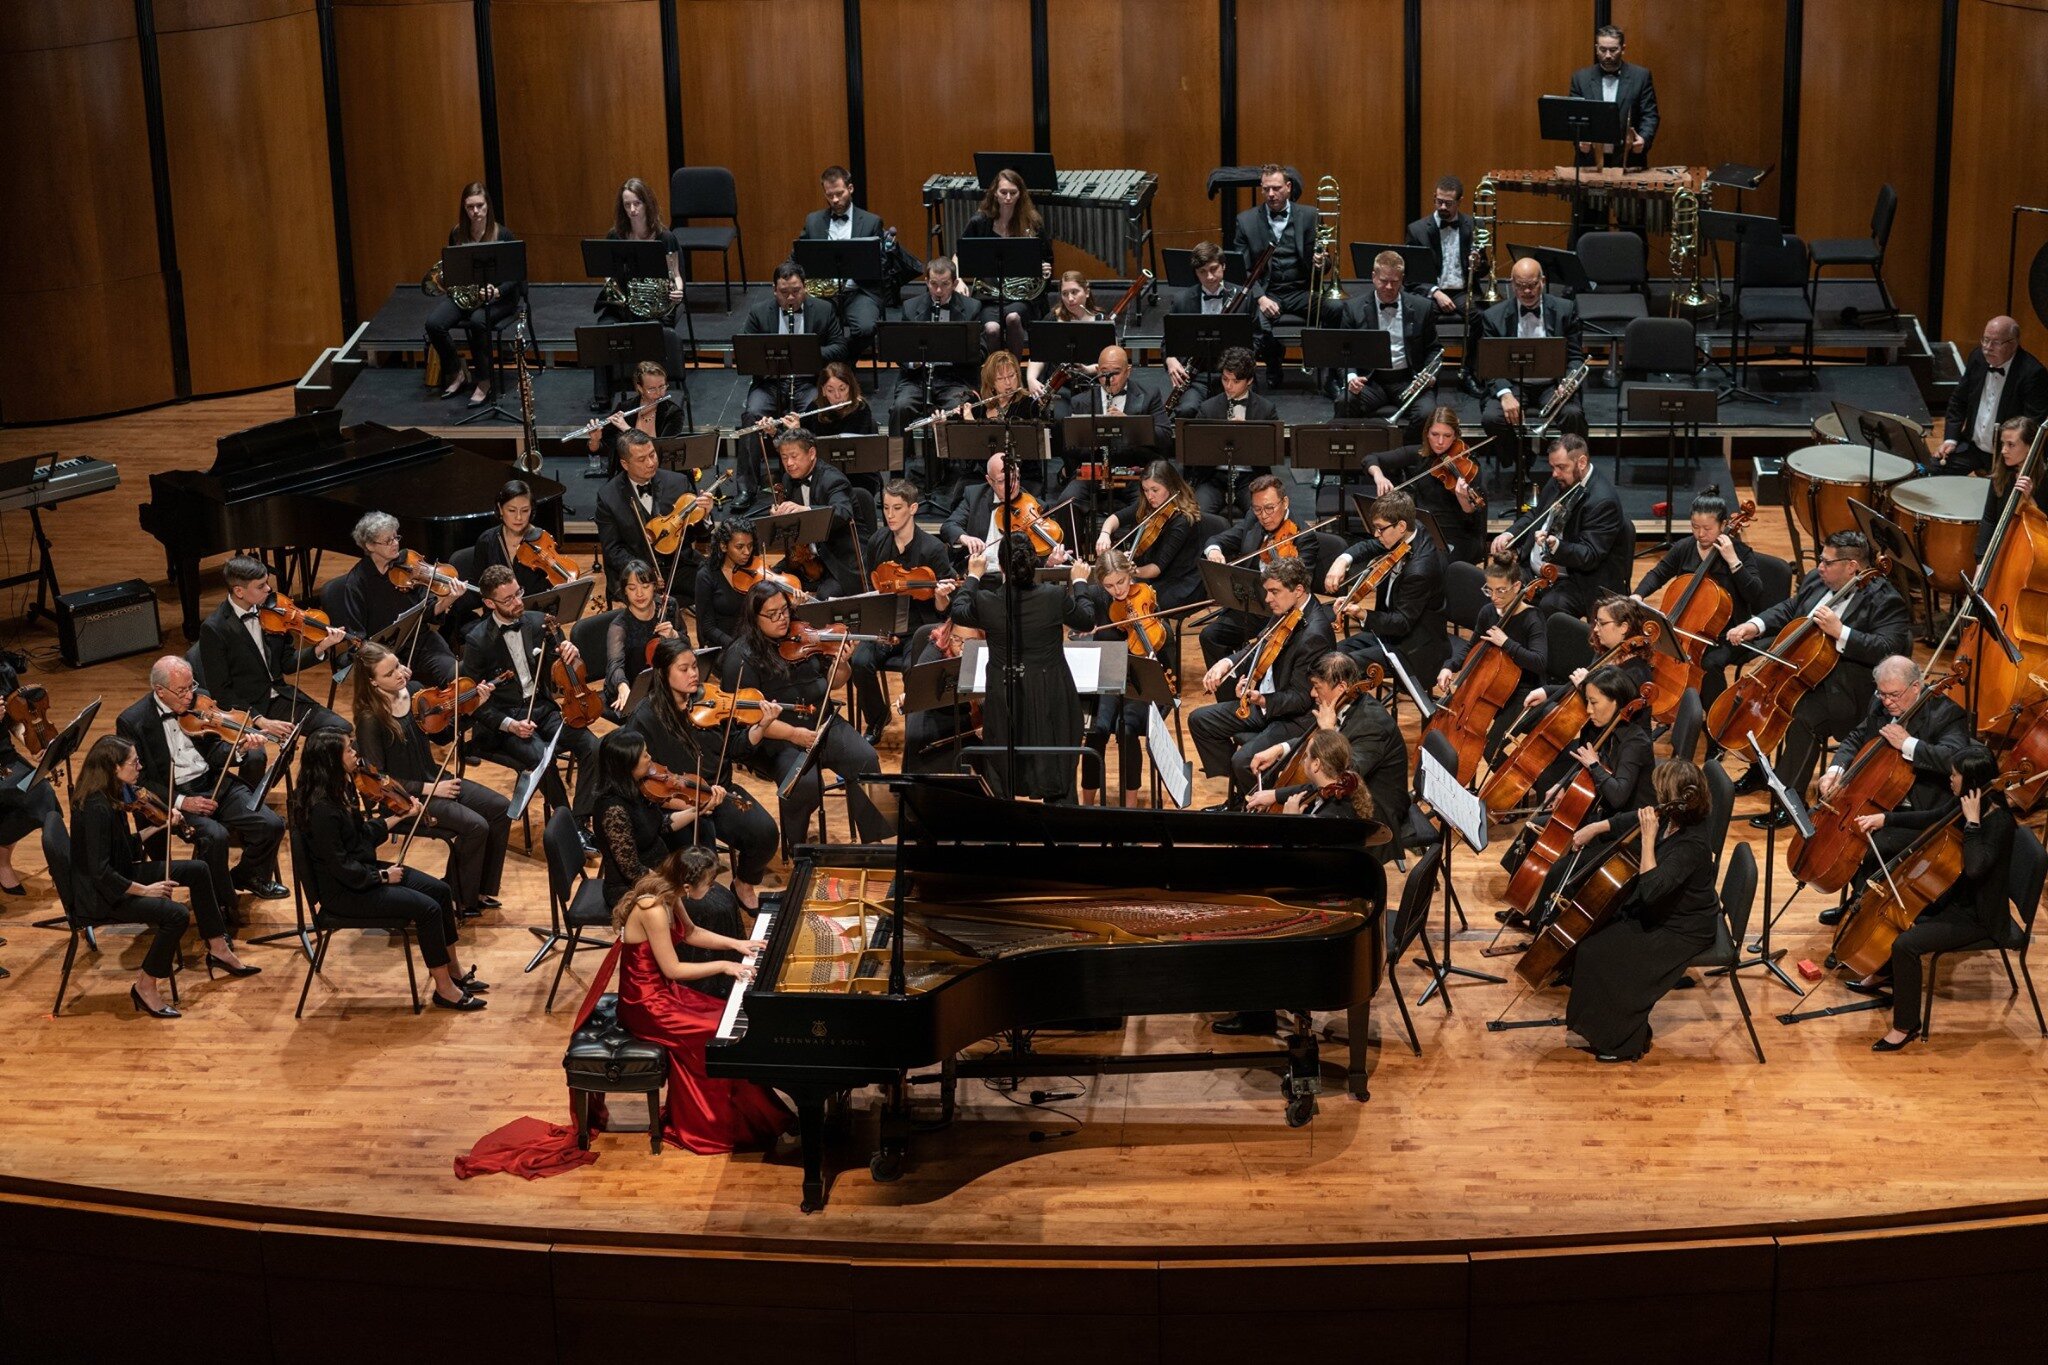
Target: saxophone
(468, 297)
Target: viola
(208, 718)
(658, 784)
(757, 571)
(1148, 530)
(1699, 608)
(1045, 533)
(537, 552)
(2014, 579)
(29, 707)
(665, 532)
(381, 790)
(1537, 748)
(1485, 682)
(280, 617)
(715, 706)
(1293, 769)
(920, 582)
(804, 642)
(581, 703)
(149, 808)
(1449, 469)
(1264, 657)
(434, 708)
(1361, 597)
(1762, 699)
(1554, 842)
(801, 561)
(410, 570)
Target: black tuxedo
(768, 397)
(487, 652)
(951, 385)
(827, 487)
(1378, 755)
(241, 677)
(2025, 394)
(1406, 614)
(970, 517)
(861, 307)
(1382, 390)
(1141, 399)
(237, 817)
(1286, 279)
(621, 534)
(1880, 624)
(1592, 552)
(1227, 744)
(1940, 730)
(1202, 380)
(1560, 319)
(1636, 93)
(1429, 232)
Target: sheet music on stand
(529, 782)
(1459, 806)
(1097, 667)
(1167, 759)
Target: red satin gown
(703, 1114)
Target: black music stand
(788, 357)
(621, 347)
(501, 265)
(860, 259)
(922, 346)
(1002, 258)
(1146, 683)
(565, 603)
(1341, 447)
(1069, 343)
(929, 686)
(1673, 408)
(1232, 587)
(781, 534)
(1363, 350)
(1037, 170)
(1205, 444)
(57, 753)
(1767, 956)
(976, 441)
(1199, 340)
(1885, 536)
(868, 613)
(874, 454)
(692, 454)
(1418, 263)
(1879, 431)
(1523, 360)
(1565, 118)
(1717, 226)
(1559, 267)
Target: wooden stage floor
(355, 1114)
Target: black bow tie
(1278, 218)
(643, 490)
(512, 629)
(1390, 307)
(249, 615)
(1532, 312)
(1996, 369)
(840, 217)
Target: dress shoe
(457, 384)
(1832, 915)
(489, 903)
(1880, 1045)
(466, 1004)
(215, 964)
(477, 400)
(271, 890)
(1252, 1022)
(1877, 990)
(1774, 818)
(589, 848)
(470, 984)
(15, 890)
(1750, 782)
(167, 1012)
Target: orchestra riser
(360, 1107)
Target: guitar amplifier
(109, 622)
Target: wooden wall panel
(81, 291)
(245, 128)
(410, 132)
(764, 95)
(1136, 83)
(2001, 51)
(1720, 73)
(579, 109)
(1868, 96)
(1480, 114)
(943, 81)
(1331, 106)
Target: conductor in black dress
(245, 667)
(1049, 706)
(1623, 969)
(1281, 293)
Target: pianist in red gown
(666, 961)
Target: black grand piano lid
(951, 808)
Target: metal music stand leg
(1765, 955)
(1442, 968)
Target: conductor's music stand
(1522, 360)
(501, 265)
(1674, 409)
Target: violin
(29, 707)
(410, 570)
(207, 718)
(381, 790)
(802, 560)
(920, 582)
(665, 532)
(1045, 533)
(580, 702)
(715, 706)
(281, 617)
(1584, 904)
(1457, 466)
(1281, 545)
(804, 642)
(1567, 813)
(658, 784)
(757, 571)
(1537, 748)
(149, 808)
(1264, 657)
(1361, 597)
(1699, 608)
(1485, 682)
(1874, 783)
(1138, 614)
(1148, 530)
(1293, 769)
(434, 708)
(1762, 699)
(537, 552)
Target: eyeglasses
(1380, 528)
(775, 613)
(1892, 693)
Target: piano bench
(604, 1059)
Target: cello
(1761, 701)
(1485, 682)
(1876, 780)
(1567, 813)
(2013, 578)
(1539, 747)
(1584, 904)
(1698, 608)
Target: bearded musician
(1271, 697)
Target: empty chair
(1772, 290)
(2025, 876)
(1738, 898)
(1464, 594)
(1617, 267)
(1863, 251)
(707, 192)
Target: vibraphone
(1107, 214)
(1638, 199)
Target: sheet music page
(1167, 759)
(1459, 806)
(1084, 661)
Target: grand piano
(299, 485)
(1017, 916)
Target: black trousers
(1293, 300)
(292, 710)
(22, 812)
(842, 752)
(165, 916)
(1937, 931)
(1822, 716)
(1126, 719)
(1227, 744)
(504, 747)
(940, 480)
(748, 830)
(237, 819)
(444, 319)
(1573, 594)
(476, 827)
(425, 901)
(859, 312)
(869, 662)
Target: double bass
(1554, 843)
(1485, 682)
(1874, 783)
(1699, 609)
(1762, 699)
(1510, 783)
(2013, 578)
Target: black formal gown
(1621, 971)
(1051, 708)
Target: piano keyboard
(67, 479)
(733, 1023)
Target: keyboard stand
(42, 572)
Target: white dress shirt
(1984, 430)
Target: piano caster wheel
(885, 1167)
(1300, 1110)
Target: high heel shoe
(167, 1012)
(244, 970)
(470, 985)
(1882, 1046)
(478, 400)
(15, 890)
(461, 382)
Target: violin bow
(405, 844)
(1549, 514)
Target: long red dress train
(703, 1114)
